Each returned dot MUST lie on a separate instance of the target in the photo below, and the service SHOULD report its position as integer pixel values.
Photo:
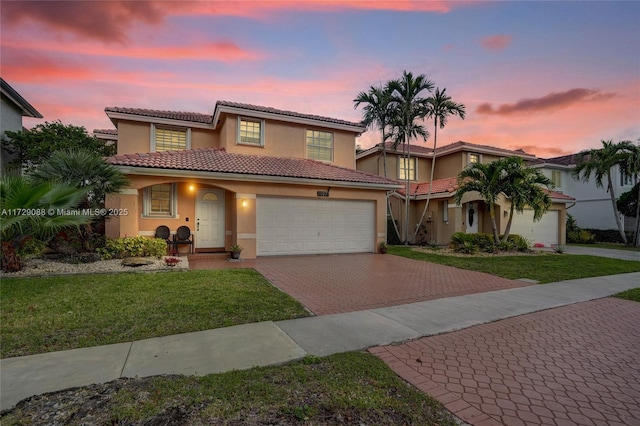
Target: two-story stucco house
(444, 217)
(275, 182)
(592, 207)
(12, 108)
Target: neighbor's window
(170, 139)
(160, 200)
(407, 165)
(556, 178)
(474, 158)
(445, 211)
(251, 131)
(625, 179)
(319, 145)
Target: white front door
(210, 229)
(472, 218)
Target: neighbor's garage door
(314, 226)
(545, 231)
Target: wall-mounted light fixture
(192, 188)
(244, 204)
(505, 213)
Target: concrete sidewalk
(270, 343)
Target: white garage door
(314, 226)
(545, 231)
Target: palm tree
(83, 169)
(525, 187)
(439, 107)
(600, 163)
(34, 211)
(490, 180)
(377, 113)
(631, 167)
(410, 107)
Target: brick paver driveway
(352, 282)
(574, 365)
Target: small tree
(33, 146)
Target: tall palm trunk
(433, 166)
(637, 233)
(615, 208)
(407, 188)
(494, 226)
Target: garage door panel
(544, 231)
(310, 226)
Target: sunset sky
(549, 77)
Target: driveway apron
(330, 284)
(573, 365)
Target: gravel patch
(44, 267)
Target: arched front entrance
(210, 218)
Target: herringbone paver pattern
(574, 365)
(331, 284)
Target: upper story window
(474, 158)
(250, 131)
(319, 145)
(556, 178)
(625, 179)
(160, 200)
(170, 138)
(407, 165)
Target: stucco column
(123, 225)
(246, 224)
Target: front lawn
(544, 268)
(56, 313)
(633, 294)
(351, 388)
(610, 246)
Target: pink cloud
(222, 51)
(101, 20)
(496, 42)
(549, 102)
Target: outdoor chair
(164, 233)
(183, 236)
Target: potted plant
(382, 247)
(235, 251)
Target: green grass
(50, 314)
(349, 388)
(611, 246)
(633, 294)
(544, 268)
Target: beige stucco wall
(240, 221)
(284, 139)
(133, 137)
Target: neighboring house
(592, 207)
(275, 182)
(109, 136)
(444, 217)
(12, 108)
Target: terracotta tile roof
(113, 132)
(559, 195)
(565, 160)
(270, 110)
(219, 161)
(461, 144)
(440, 186)
(171, 115)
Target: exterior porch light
(244, 203)
(192, 188)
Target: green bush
(520, 243)
(581, 236)
(139, 246)
(462, 243)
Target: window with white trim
(474, 158)
(319, 145)
(250, 131)
(406, 165)
(160, 200)
(445, 211)
(625, 179)
(556, 178)
(169, 138)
